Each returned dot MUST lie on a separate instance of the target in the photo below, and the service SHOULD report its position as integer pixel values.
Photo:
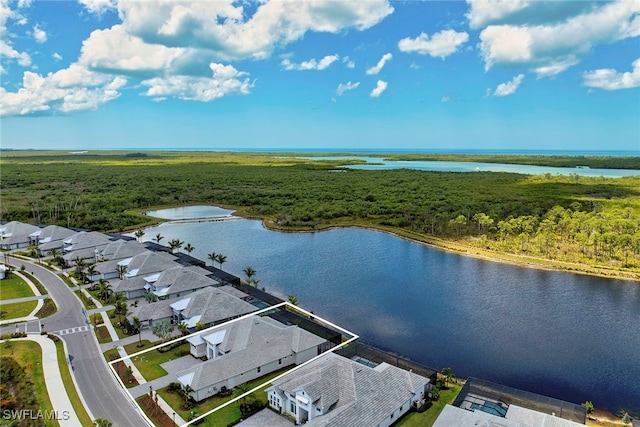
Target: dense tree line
(17, 391)
(574, 218)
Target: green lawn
(13, 288)
(29, 355)
(69, 386)
(226, 415)
(428, 417)
(16, 310)
(149, 363)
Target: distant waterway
(378, 163)
(567, 336)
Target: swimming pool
(490, 408)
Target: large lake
(567, 336)
(378, 163)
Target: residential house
(16, 235)
(108, 257)
(84, 245)
(336, 391)
(210, 306)
(179, 281)
(141, 270)
(245, 350)
(50, 237)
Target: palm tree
(137, 325)
(250, 272)
(221, 259)
(104, 289)
(293, 299)
(80, 266)
(101, 422)
(121, 308)
(158, 238)
(175, 244)
(55, 254)
(139, 233)
(91, 271)
(122, 270)
(189, 248)
(213, 257)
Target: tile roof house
(212, 304)
(16, 235)
(246, 350)
(109, 256)
(50, 237)
(180, 281)
(336, 391)
(84, 244)
(141, 270)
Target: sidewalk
(60, 402)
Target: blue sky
(372, 74)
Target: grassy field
(226, 415)
(149, 363)
(14, 287)
(29, 355)
(427, 418)
(17, 309)
(70, 387)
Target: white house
(108, 257)
(141, 270)
(336, 391)
(210, 305)
(84, 245)
(246, 350)
(177, 282)
(16, 235)
(50, 237)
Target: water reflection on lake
(568, 336)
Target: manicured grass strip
(29, 355)
(13, 288)
(66, 280)
(226, 415)
(36, 282)
(17, 309)
(103, 334)
(88, 303)
(149, 363)
(114, 321)
(69, 386)
(428, 417)
(48, 308)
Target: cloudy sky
(371, 74)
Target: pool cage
(502, 396)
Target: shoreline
(449, 246)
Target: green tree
(293, 299)
(121, 308)
(91, 271)
(249, 272)
(484, 222)
(137, 326)
(104, 289)
(139, 233)
(101, 422)
(448, 376)
(175, 245)
(588, 405)
(158, 238)
(122, 270)
(213, 257)
(163, 330)
(221, 259)
(189, 248)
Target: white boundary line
(285, 304)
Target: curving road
(104, 397)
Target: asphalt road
(102, 394)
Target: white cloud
(445, 99)
(311, 64)
(348, 62)
(509, 88)
(98, 7)
(550, 48)
(381, 86)
(441, 44)
(39, 35)
(376, 68)
(343, 87)
(56, 56)
(69, 90)
(24, 3)
(225, 80)
(610, 79)
(483, 12)
(226, 29)
(6, 48)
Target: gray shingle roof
(153, 311)
(365, 396)
(16, 232)
(52, 236)
(183, 279)
(256, 342)
(121, 249)
(214, 305)
(148, 262)
(132, 284)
